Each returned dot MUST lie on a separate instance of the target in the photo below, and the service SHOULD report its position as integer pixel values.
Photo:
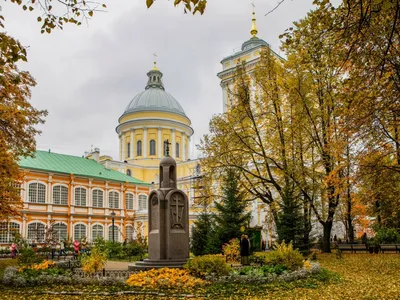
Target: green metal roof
(79, 166)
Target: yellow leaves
(231, 250)
(307, 264)
(39, 267)
(94, 262)
(165, 278)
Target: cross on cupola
(166, 147)
(155, 77)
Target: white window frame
(86, 196)
(131, 206)
(60, 237)
(33, 196)
(60, 194)
(140, 206)
(6, 234)
(96, 201)
(113, 203)
(116, 233)
(75, 235)
(129, 235)
(37, 238)
(96, 231)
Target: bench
(352, 247)
(390, 248)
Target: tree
(231, 215)
(189, 5)
(75, 12)
(201, 232)
(17, 121)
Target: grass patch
(355, 276)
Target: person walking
(84, 245)
(62, 249)
(13, 250)
(244, 250)
(76, 248)
(53, 248)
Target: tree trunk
(326, 240)
(306, 224)
(350, 227)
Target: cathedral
(70, 197)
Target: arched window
(129, 200)
(139, 148)
(37, 192)
(177, 150)
(97, 231)
(97, 198)
(8, 231)
(128, 150)
(116, 233)
(60, 232)
(113, 199)
(142, 202)
(152, 147)
(129, 172)
(36, 232)
(60, 195)
(80, 196)
(79, 231)
(129, 232)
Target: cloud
(87, 76)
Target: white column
(24, 229)
(144, 142)
(132, 131)
(173, 144)
(159, 143)
(183, 146)
(123, 146)
(120, 147)
(89, 230)
(71, 228)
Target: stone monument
(168, 221)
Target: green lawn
(358, 276)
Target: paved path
(117, 265)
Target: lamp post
(112, 219)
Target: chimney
(95, 154)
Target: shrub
(277, 269)
(208, 264)
(28, 257)
(38, 267)
(94, 262)
(164, 279)
(231, 250)
(258, 257)
(285, 255)
(387, 236)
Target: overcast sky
(87, 75)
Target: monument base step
(149, 264)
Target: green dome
(154, 98)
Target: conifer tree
(201, 233)
(231, 213)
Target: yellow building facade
(67, 197)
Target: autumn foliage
(17, 123)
